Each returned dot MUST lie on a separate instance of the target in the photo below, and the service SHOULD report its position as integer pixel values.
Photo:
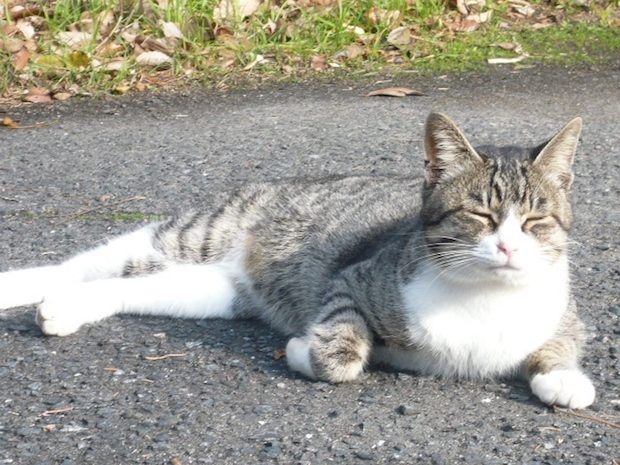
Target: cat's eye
(532, 221)
(485, 217)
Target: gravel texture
(94, 397)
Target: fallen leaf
(122, 89)
(257, 60)
(115, 64)
(106, 22)
(353, 51)
(393, 92)
(11, 44)
(171, 30)
(75, 39)
(377, 16)
(38, 95)
(279, 353)
(505, 45)
(235, 9)
(51, 427)
(354, 29)
(26, 28)
(21, 58)
(319, 62)
(399, 36)
(270, 27)
(153, 58)
(9, 123)
(503, 61)
(62, 96)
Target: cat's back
(322, 209)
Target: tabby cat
(462, 274)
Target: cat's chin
(508, 275)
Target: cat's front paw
(59, 316)
(565, 388)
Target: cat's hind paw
(58, 316)
(565, 388)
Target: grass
(67, 48)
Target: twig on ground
(55, 412)
(163, 357)
(586, 417)
(100, 207)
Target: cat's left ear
(556, 158)
(447, 151)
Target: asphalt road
(94, 397)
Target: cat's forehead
(508, 153)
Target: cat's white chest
(478, 330)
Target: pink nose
(507, 249)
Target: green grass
(351, 37)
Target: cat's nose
(507, 249)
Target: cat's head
(496, 214)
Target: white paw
(57, 316)
(566, 388)
(298, 356)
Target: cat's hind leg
(31, 285)
(186, 291)
(336, 349)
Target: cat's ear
(556, 158)
(447, 150)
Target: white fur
(478, 329)
(568, 388)
(30, 286)
(189, 291)
(298, 356)
(87, 288)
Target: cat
(461, 274)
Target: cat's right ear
(447, 151)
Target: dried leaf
(503, 61)
(62, 96)
(354, 29)
(11, 44)
(21, 59)
(257, 60)
(353, 51)
(279, 353)
(116, 64)
(122, 89)
(235, 9)
(38, 95)
(400, 36)
(26, 28)
(393, 92)
(9, 123)
(505, 45)
(106, 22)
(377, 16)
(171, 30)
(270, 27)
(319, 62)
(154, 58)
(75, 39)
